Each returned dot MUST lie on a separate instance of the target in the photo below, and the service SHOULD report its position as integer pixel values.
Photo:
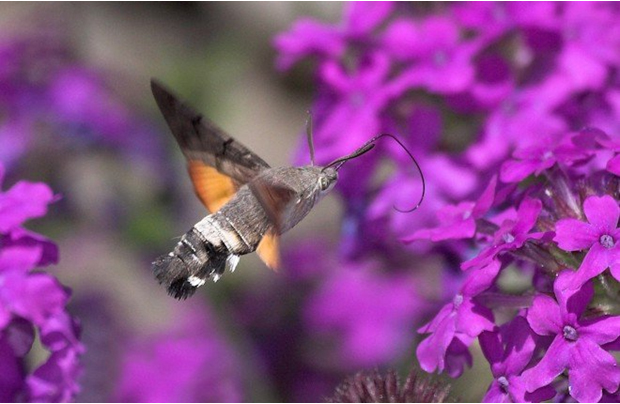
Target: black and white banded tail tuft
(190, 265)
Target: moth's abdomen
(193, 261)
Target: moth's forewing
(275, 200)
(202, 141)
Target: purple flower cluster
(563, 239)
(32, 303)
(498, 102)
(43, 90)
(500, 75)
(189, 362)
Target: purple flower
(33, 300)
(459, 221)
(599, 236)
(541, 156)
(576, 345)
(309, 37)
(42, 87)
(457, 324)
(497, 18)
(25, 200)
(353, 104)
(512, 234)
(514, 123)
(189, 362)
(493, 80)
(440, 60)
(509, 350)
(367, 314)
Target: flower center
(508, 238)
(607, 241)
(570, 333)
(503, 383)
(457, 301)
(440, 58)
(357, 99)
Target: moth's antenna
(309, 134)
(369, 145)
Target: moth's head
(327, 178)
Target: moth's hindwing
(268, 250)
(213, 188)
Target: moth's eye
(323, 183)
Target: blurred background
(77, 113)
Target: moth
(250, 203)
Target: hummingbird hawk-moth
(250, 203)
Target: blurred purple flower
(459, 221)
(543, 155)
(189, 362)
(576, 346)
(613, 165)
(353, 104)
(309, 37)
(33, 300)
(366, 313)
(41, 84)
(440, 60)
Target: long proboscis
(340, 161)
(366, 147)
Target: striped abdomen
(212, 245)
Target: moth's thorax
(310, 184)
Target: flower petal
(595, 262)
(575, 235)
(527, 215)
(591, 369)
(551, 365)
(544, 316)
(23, 201)
(602, 212)
(491, 348)
(484, 203)
(572, 300)
(495, 394)
(601, 330)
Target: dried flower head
(374, 387)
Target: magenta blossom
(576, 346)
(599, 236)
(310, 37)
(459, 221)
(457, 324)
(512, 234)
(541, 156)
(33, 301)
(364, 313)
(189, 362)
(509, 350)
